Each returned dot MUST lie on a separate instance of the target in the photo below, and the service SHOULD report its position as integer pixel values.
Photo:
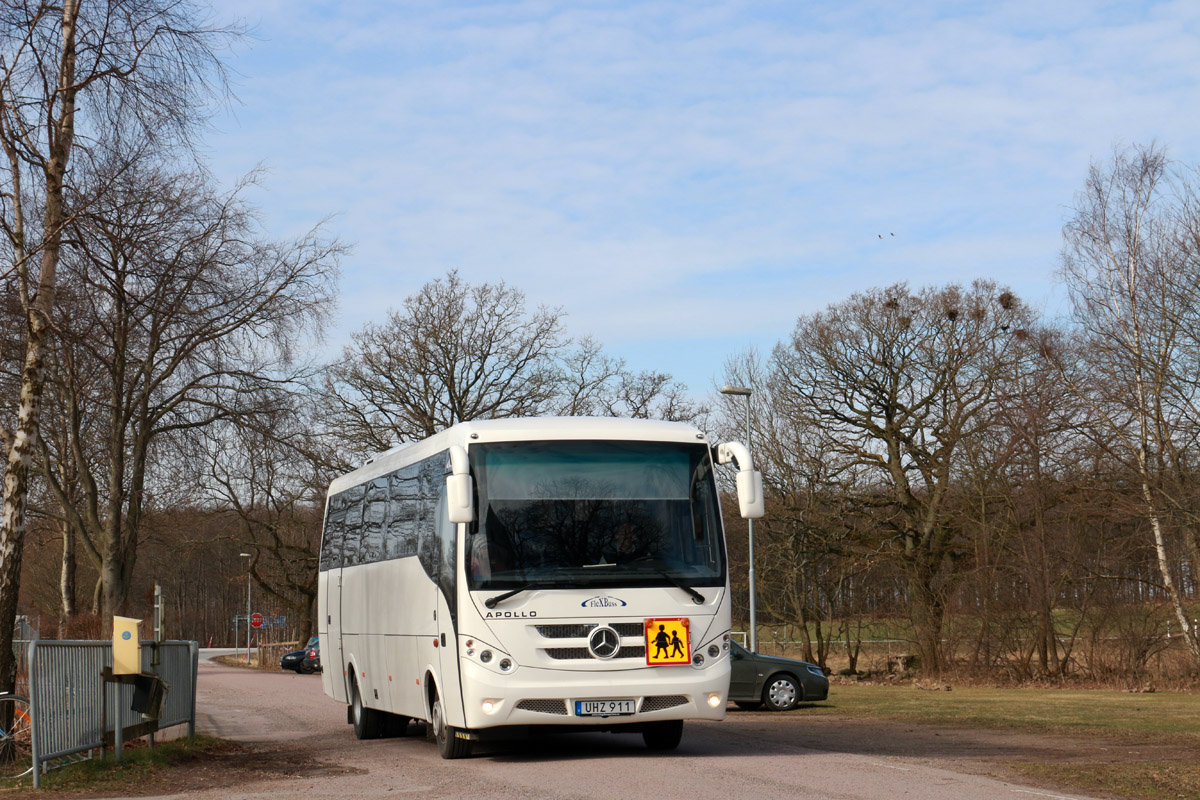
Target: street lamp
(247, 555)
(743, 391)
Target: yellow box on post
(127, 654)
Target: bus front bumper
(532, 696)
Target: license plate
(604, 708)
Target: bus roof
(518, 429)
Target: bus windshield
(594, 514)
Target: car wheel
(781, 692)
(450, 744)
(368, 723)
(747, 706)
(663, 735)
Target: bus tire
(368, 723)
(450, 744)
(663, 735)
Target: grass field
(1163, 718)
(1156, 716)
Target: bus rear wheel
(450, 743)
(663, 735)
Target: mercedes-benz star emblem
(604, 642)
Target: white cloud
(665, 170)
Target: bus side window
(702, 501)
(375, 508)
(404, 503)
(430, 475)
(354, 524)
(335, 532)
(704, 525)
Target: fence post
(34, 714)
(194, 647)
(118, 725)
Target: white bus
(530, 572)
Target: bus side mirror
(749, 480)
(460, 489)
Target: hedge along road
(296, 743)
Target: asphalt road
(304, 748)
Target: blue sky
(684, 179)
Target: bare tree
(808, 546)
(188, 315)
(594, 384)
(271, 471)
(70, 75)
(456, 352)
(1132, 268)
(897, 381)
(587, 379)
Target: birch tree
(1132, 268)
(73, 75)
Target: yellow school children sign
(667, 642)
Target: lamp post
(743, 391)
(247, 556)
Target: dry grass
(1144, 780)
(1166, 720)
(1161, 716)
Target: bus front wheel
(368, 723)
(449, 741)
(663, 735)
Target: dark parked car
(312, 657)
(778, 683)
(296, 660)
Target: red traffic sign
(256, 620)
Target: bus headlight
(488, 656)
(714, 699)
(489, 706)
(709, 653)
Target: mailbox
(127, 654)
(149, 691)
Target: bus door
(330, 599)
(447, 599)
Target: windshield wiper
(697, 598)
(657, 561)
(492, 602)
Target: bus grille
(661, 701)
(564, 631)
(573, 653)
(581, 630)
(544, 706)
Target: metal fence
(72, 707)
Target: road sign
(256, 620)
(667, 641)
